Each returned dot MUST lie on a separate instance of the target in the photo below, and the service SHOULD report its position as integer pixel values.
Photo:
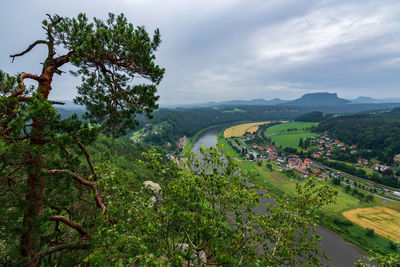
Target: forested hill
(378, 132)
(179, 122)
(318, 99)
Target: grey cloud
(221, 50)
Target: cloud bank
(236, 49)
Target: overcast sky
(216, 50)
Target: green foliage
(369, 232)
(390, 260)
(336, 181)
(377, 132)
(108, 56)
(314, 116)
(48, 182)
(394, 245)
(204, 214)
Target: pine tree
(43, 182)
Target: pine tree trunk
(34, 198)
(30, 241)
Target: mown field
(289, 134)
(384, 221)
(241, 129)
(290, 139)
(284, 127)
(331, 215)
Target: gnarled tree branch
(22, 77)
(83, 148)
(56, 248)
(77, 227)
(83, 181)
(28, 49)
(74, 175)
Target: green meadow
(331, 215)
(289, 134)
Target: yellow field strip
(239, 130)
(252, 129)
(384, 221)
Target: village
(309, 164)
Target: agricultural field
(292, 126)
(291, 139)
(331, 215)
(252, 129)
(384, 221)
(234, 110)
(289, 134)
(241, 129)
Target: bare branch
(98, 200)
(56, 248)
(74, 175)
(28, 49)
(22, 77)
(77, 227)
(83, 181)
(82, 147)
(187, 235)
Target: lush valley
(111, 179)
(377, 132)
(273, 173)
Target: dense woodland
(377, 132)
(187, 122)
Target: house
(300, 171)
(363, 162)
(353, 146)
(380, 167)
(397, 158)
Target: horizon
(385, 100)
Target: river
(340, 252)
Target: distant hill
(366, 99)
(69, 105)
(318, 99)
(253, 102)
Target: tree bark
(34, 198)
(36, 183)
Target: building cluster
(326, 145)
(182, 142)
(256, 152)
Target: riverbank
(192, 140)
(331, 216)
(341, 252)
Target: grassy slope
(291, 125)
(286, 138)
(367, 170)
(290, 139)
(279, 185)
